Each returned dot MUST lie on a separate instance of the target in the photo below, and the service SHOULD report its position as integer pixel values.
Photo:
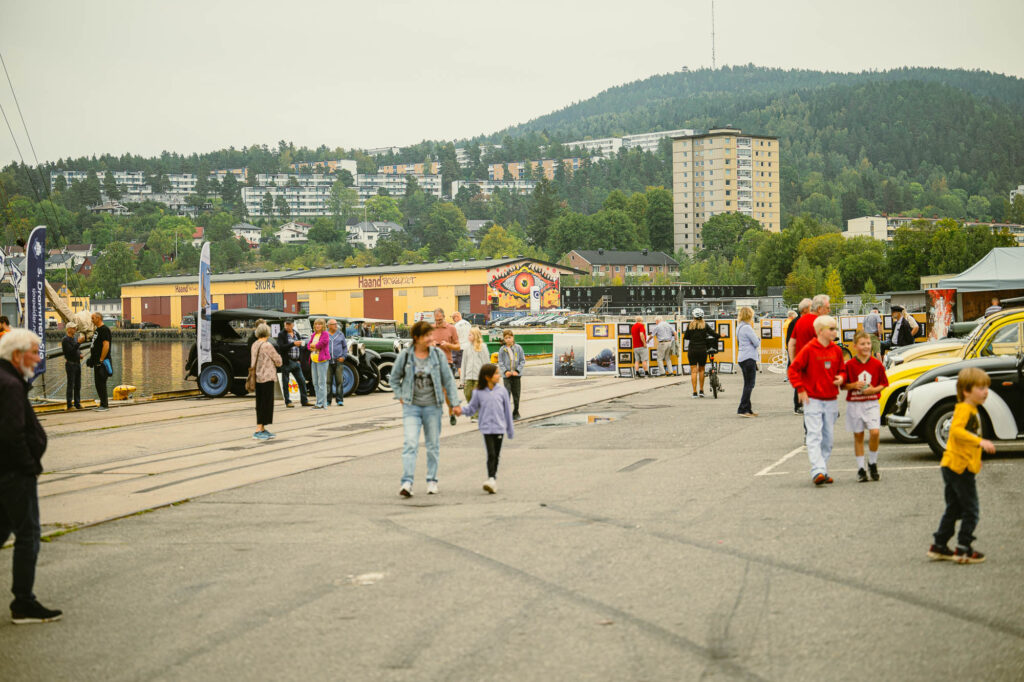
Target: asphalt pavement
(658, 538)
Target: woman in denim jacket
(422, 382)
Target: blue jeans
(293, 368)
(319, 370)
(413, 417)
(336, 382)
(19, 514)
(961, 503)
(820, 422)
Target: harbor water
(151, 365)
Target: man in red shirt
(816, 375)
(803, 330)
(444, 336)
(864, 378)
(639, 334)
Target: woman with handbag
(319, 357)
(262, 376)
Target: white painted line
(767, 469)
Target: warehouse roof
(442, 266)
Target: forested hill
(670, 100)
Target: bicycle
(711, 372)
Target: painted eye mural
(512, 284)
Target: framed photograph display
(726, 368)
(568, 353)
(766, 332)
(723, 329)
(626, 372)
(599, 331)
(721, 346)
(625, 358)
(626, 343)
(848, 335)
(623, 328)
(601, 360)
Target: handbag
(250, 381)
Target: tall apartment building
(410, 169)
(127, 181)
(723, 171)
(517, 169)
(303, 201)
(285, 179)
(241, 174)
(1015, 192)
(462, 154)
(369, 185)
(600, 148)
(487, 187)
(381, 151)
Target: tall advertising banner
(203, 345)
(16, 278)
(940, 312)
(534, 299)
(35, 304)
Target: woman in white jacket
(475, 356)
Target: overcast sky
(190, 76)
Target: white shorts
(862, 416)
(640, 354)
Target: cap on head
(897, 309)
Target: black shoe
(862, 476)
(701, 394)
(515, 416)
(24, 614)
(452, 420)
(798, 410)
(962, 555)
(940, 553)
(873, 468)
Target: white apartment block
(1015, 192)
(332, 166)
(127, 181)
(601, 148)
(462, 154)
(285, 179)
(381, 151)
(884, 228)
(303, 201)
(241, 174)
(723, 171)
(648, 142)
(369, 185)
(487, 187)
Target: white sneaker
(406, 490)
(432, 488)
(490, 486)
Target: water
(152, 366)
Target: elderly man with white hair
(24, 443)
(664, 333)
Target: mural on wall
(940, 312)
(512, 284)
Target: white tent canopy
(1001, 268)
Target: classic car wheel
(384, 372)
(936, 426)
(349, 378)
(214, 380)
(368, 380)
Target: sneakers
(940, 553)
(966, 555)
(33, 613)
(829, 479)
(261, 435)
(798, 410)
(693, 396)
(515, 416)
(452, 420)
(490, 486)
(289, 404)
(873, 468)
(862, 476)
(701, 394)
(820, 479)
(406, 489)
(99, 409)
(432, 488)
(269, 434)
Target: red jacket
(803, 332)
(815, 368)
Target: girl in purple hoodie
(492, 403)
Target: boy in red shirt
(816, 374)
(864, 379)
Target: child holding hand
(491, 401)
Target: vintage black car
(232, 333)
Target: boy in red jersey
(816, 374)
(864, 379)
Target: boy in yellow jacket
(960, 463)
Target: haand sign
(186, 289)
(383, 281)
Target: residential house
(293, 233)
(249, 233)
(606, 263)
(197, 236)
(111, 208)
(478, 228)
(369, 233)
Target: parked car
(927, 409)
(188, 322)
(1000, 334)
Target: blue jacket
(338, 346)
(495, 409)
(749, 343)
(508, 363)
(404, 372)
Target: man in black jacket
(24, 442)
(100, 352)
(289, 345)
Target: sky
(142, 77)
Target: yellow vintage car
(1000, 334)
